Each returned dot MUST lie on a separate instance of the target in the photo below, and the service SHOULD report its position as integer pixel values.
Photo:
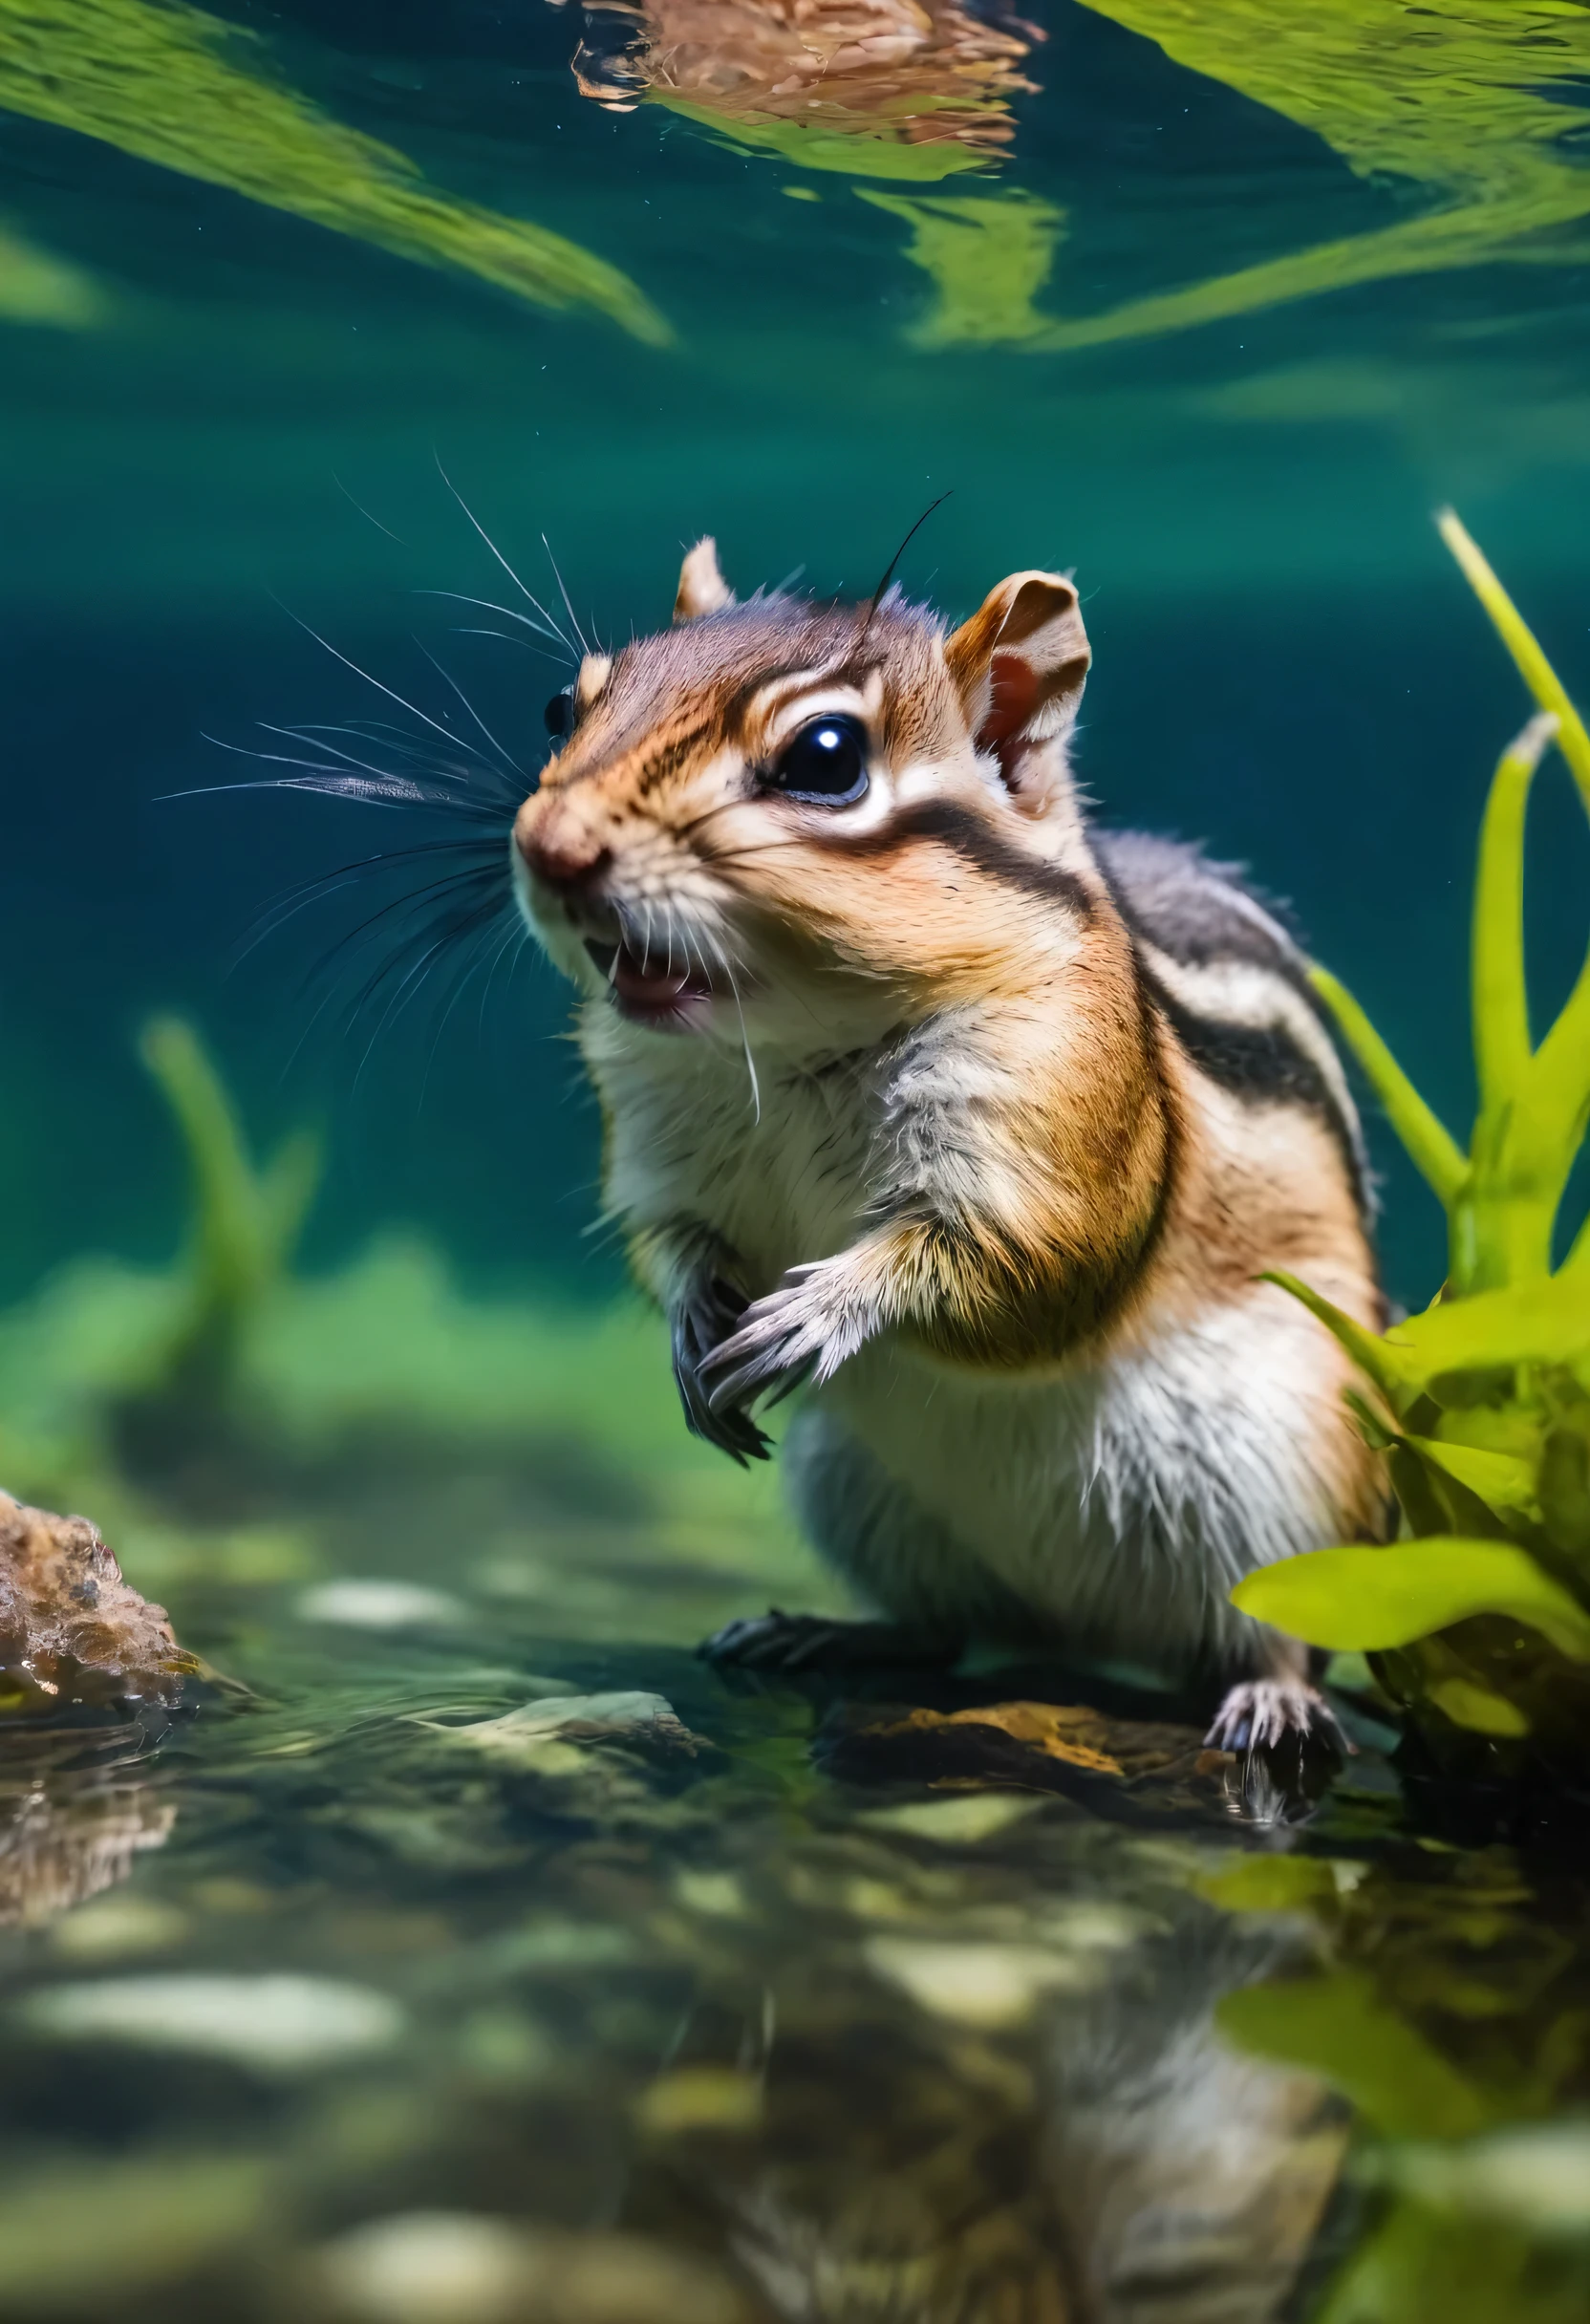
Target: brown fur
(1050, 1174)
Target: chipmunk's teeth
(647, 985)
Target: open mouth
(647, 989)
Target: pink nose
(560, 854)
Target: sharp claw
(714, 1420)
(1262, 1715)
(792, 1380)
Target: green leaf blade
(1500, 999)
(1338, 2027)
(1394, 1372)
(1430, 1145)
(1538, 1323)
(1522, 643)
(1368, 1600)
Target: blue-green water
(1213, 303)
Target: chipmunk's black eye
(826, 759)
(559, 714)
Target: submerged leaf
(843, 148)
(1471, 99)
(173, 86)
(1338, 2028)
(37, 287)
(1476, 1707)
(1372, 1599)
(990, 257)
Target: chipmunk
(974, 1121)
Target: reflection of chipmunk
(1114, 2160)
(981, 1122)
(928, 73)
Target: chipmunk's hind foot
(799, 1642)
(1289, 1748)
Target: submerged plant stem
(1430, 1144)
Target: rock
(272, 2025)
(68, 1832)
(71, 1630)
(959, 1820)
(86, 2238)
(991, 1987)
(457, 2268)
(425, 2268)
(523, 1737)
(370, 1605)
(1132, 1770)
(64, 1837)
(113, 1927)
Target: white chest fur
(774, 1162)
(1117, 1500)
(1111, 1503)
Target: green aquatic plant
(246, 1219)
(1445, 2010)
(37, 287)
(168, 84)
(1477, 1620)
(864, 147)
(1472, 101)
(989, 257)
(233, 1421)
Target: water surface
(774, 2005)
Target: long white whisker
(294, 734)
(364, 511)
(430, 767)
(460, 986)
(412, 708)
(727, 967)
(407, 987)
(486, 536)
(506, 755)
(465, 629)
(490, 605)
(512, 937)
(568, 602)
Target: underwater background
(314, 319)
(1105, 316)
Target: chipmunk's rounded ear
(703, 587)
(1020, 666)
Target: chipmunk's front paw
(706, 1320)
(798, 1332)
(1263, 1713)
(1289, 1746)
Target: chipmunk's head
(809, 818)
